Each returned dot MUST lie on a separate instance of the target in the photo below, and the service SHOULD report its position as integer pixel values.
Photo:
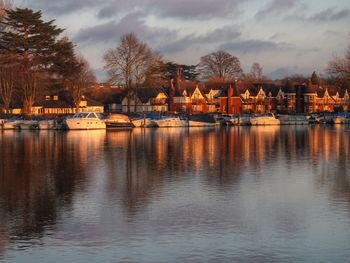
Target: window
(47, 97)
(55, 98)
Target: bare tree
(256, 72)
(9, 70)
(340, 67)
(221, 66)
(129, 63)
(80, 80)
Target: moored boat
(9, 125)
(202, 120)
(85, 121)
(27, 124)
(240, 120)
(265, 119)
(47, 125)
(114, 121)
(171, 122)
(341, 118)
(293, 120)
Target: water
(250, 194)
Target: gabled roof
(332, 91)
(145, 94)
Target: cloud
(330, 14)
(276, 7)
(111, 31)
(255, 46)
(219, 35)
(184, 9)
(286, 71)
(62, 7)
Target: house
(109, 95)
(146, 100)
(59, 104)
(230, 99)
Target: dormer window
(47, 97)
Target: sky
(284, 36)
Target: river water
(249, 194)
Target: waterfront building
(146, 100)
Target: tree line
(35, 59)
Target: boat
(144, 122)
(293, 120)
(341, 118)
(27, 124)
(265, 119)
(240, 120)
(224, 119)
(9, 125)
(202, 120)
(47, 125)
(171, 122)
(85, 121)
(118, 121)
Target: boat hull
(262, 121)
(85, 124)
(172, 122)
(200, 124)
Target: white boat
(294, 120)
(47, 125)
(265, 119)
(118, 121)
(171, 122)
(240, 120)
(85, 121)
(27, 124)
(9, 125)
(144, 122)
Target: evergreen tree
(187, 72)
(37, 48)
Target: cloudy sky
(284, 36)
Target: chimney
(229, 99)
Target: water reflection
(174, 179)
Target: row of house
(235, 98)
(240, 97)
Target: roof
(93, 103)
(289, 87)
(145, 94)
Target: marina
(93, 121)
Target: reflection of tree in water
(40, 173)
